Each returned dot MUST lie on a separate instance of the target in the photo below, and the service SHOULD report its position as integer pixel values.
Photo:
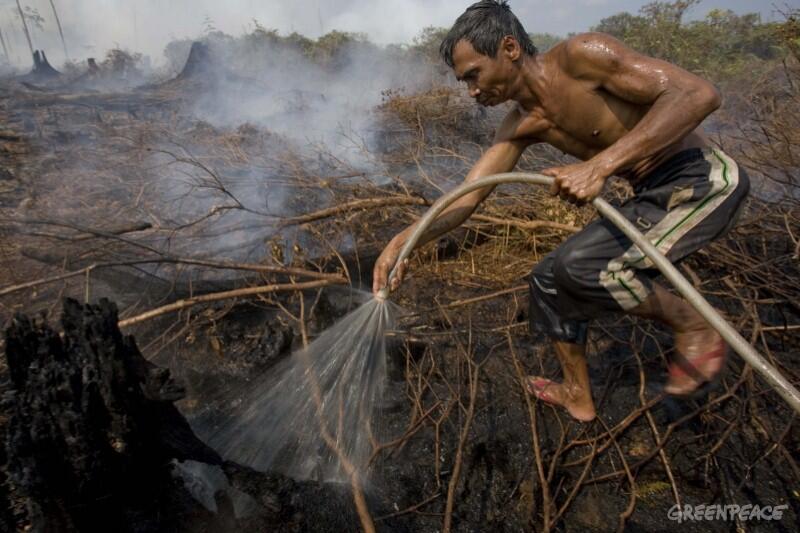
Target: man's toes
(545, 389)
(537, 384)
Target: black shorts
(689, 200)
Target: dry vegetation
(468, 448)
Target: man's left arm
(679, 101)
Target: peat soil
(94, 421)
(92, 440)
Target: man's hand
(579, 183)
(384, 265)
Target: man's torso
(582, 120)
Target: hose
(781, 385)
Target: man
(622, 114)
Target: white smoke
(94, 26)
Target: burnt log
(92, 428)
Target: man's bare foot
(700, 356)
(577, 401)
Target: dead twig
(468, 301)
(537, 452)
(217, 296)
(221, 265)
(525, 224)
(355, 205)
(411, 509)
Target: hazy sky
(94, 26)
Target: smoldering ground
(295, 109)
(93, 178)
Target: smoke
(283, 96)
(243, 110)
(92, 27)
(325, 101)
(313, 100)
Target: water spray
(781, 385)
(313, 416)
(317, 413)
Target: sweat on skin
(621, 113)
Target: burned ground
(224, 246)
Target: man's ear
(510, 47)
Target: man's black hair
(484, 24)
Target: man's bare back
(582, 119)
(576, 106)
(621, 113)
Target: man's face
(487, 78)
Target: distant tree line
(722, 45)
(719, 46)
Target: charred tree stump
(92, 428)
(42, 67)
(197, 64)
(94, 70)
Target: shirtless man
(620, 113)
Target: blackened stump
(42, 67)
(92, 427)
(198, 62)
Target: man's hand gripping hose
(781, 385)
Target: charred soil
(225, 247)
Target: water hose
(787, 391)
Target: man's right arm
(510, 142)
